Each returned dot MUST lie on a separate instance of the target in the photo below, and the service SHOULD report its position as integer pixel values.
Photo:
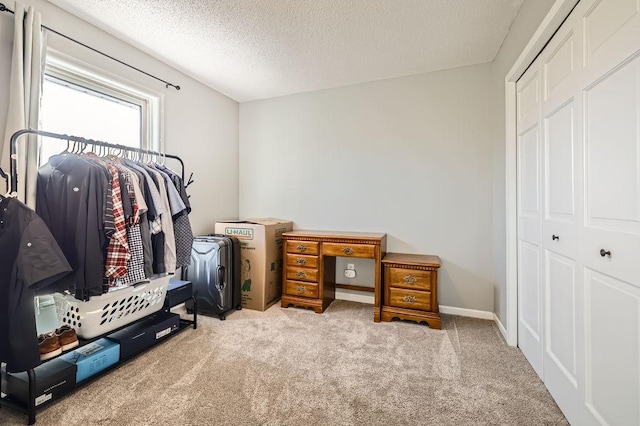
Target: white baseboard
(355, 296)
(463, 312)
(501, 327)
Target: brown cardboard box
(260, 260)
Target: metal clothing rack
(14, 151)
(30, 407)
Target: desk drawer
(302, 274)
(302, 247)
(409, 278)
(410, 299)
(349, 250)
(298, 288)
(302, 260)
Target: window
(79, 101)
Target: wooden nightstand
(411, 288)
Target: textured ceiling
(254, 49)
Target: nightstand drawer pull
(347, 250)
(409, 279)
(301, 261)
(301, 247)
(301, 274)
(300, 289)
(409, 299)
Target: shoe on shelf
(49, 346)
(67, 337)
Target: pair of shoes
(55, 342)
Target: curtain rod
(3, 8)
(13, 149)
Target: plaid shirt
(118, 254)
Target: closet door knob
(605, 253)
(555, 237)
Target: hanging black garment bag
(215, 274)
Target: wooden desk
(309, 273)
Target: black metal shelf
(30, 408)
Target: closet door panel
(529, 99)
(560, 169)
(612, 142)
(529, 153)
(529, 297)
(562, 130)
(609, 30)
(612, 388)
(561, 314)
(559, 67)
(561, 271)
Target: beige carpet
(294, 367)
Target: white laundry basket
(104, 313)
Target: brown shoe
(67, 337)
(49, 346)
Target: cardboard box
(142, 335)
(54, 378)
(260, 258)
(93, 357)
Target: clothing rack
(14, 151)
(4, 8)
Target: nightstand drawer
(302, 247)
(409, 278)
(298, 288)
(349, 250)
(302, 274)
(302, 260)
(410, 299)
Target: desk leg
(378, 286)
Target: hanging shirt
(135, 268)
(70, 201)
(181, 224)
(143, 207)
(156, 209)
(31, 260)
(118, 253)
(167, 223)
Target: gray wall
(529, 18)
(200, 124)
(409, 156)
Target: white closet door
(529, 214)
(610, 240)
(562, 206)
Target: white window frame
(77, 73)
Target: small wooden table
(411, 288)
(309, 273)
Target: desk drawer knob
(409, 299)
(347, 250)
(301, 260)
(301, 274)
(410, 279)
(300, 289)
(301, 247)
